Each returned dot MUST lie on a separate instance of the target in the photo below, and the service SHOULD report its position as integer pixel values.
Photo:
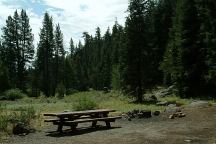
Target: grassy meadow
(31, 110)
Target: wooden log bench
(72, 119)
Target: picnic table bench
(73, 118)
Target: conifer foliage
(170, 42)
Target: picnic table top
(87, 112)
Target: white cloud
(75, 16)
(97, 13)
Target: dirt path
(198, 127)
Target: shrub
(23, 115)
(3, 123)
(33, 92)
(60, 90)
(13, 94)
(84, 103)
(71, 91)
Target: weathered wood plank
(51, 120)
(100, 111)
(111, 119)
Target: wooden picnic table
(73, 118)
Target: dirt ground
(198, 127)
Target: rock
(125, 117)
(172, 109)
(106, 90)
(151, 99)
(177, 114)
(199, 104)
(21, 128)
(166, 92)
(172, 105)
(156, 113)
(171, 116)
(164, 103)
(145, 114)
(188, 141)
(135, 111)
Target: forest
(163, 42)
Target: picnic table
(73, 118)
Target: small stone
(181, 115)
(156, 113)
(171, 117)
(164, 103)
(188, 141)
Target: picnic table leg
(107, 122)
(73, 126)
(94, 123)
(60, 126)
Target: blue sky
(74, 16)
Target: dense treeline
(163, 42)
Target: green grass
(176, 99)
(77, 101)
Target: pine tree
(26, 47)
(45, 56)
(117, 32)
(59, 57)
(18, 48)
(136, 63)
(4, 79)
(183, 60)
(106, 68)
(72, 47)
(207, 41)
(9, 50)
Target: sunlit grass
(113, 100)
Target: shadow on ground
(79, 131)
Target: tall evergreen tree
(26, 48)
(183, 61)
(207, 41)
(45, 55)
(59, 57)
(117, 32)
(18, 48)
(9, 49)
(72, 47)
(137, 59)
(106, 69)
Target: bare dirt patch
(198, 127)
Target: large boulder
(199, 104)
(172, 108)
(144, 114)
(21, 128)
(163, 103)
(165, 92)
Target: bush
(60, 90)
(23, 115)
(71, 91)
(3, 123)
(84, 103)
(33, 92)
(13, 94)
